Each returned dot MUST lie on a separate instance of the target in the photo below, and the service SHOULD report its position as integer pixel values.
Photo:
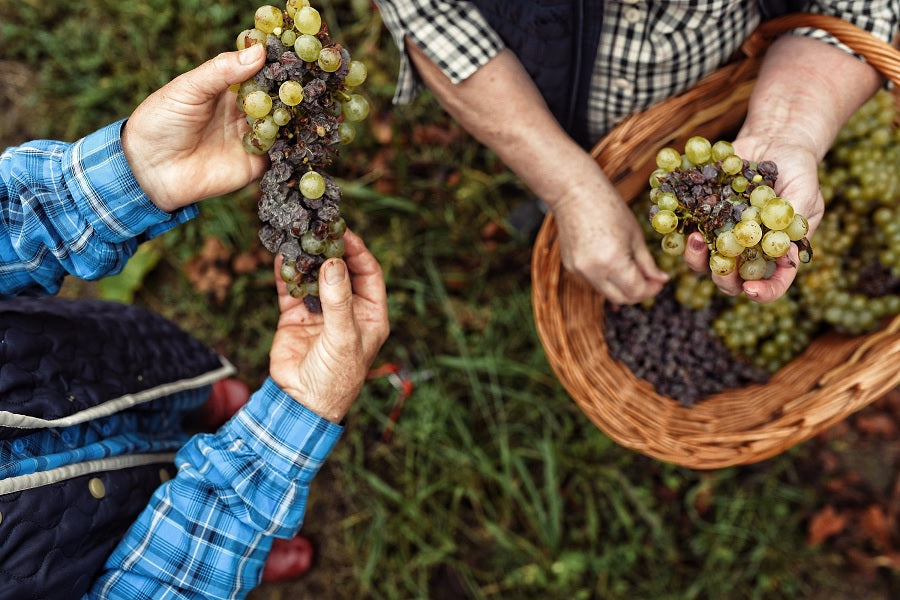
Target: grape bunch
(731, 202)
(301, 106)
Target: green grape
(346, 132)
(760, 195)
(291, 92)
(739, 184)
(310, 288)
(308, 47)
(751, 270)
(721, 150)
(253, 144)
(656, 177)
(698, 149)
(356, 73)
(293, 6)
(268, 18)
(265, 127)
(337, 228)
(257, 104)
(288, 38)
(356, 108)
(334, 248)
(751, 213)
(668, 159)
(664, 221)
(289, 272)
(311, 244)
(732, 164)
(727, 244)
(312, 185)
(330, 59)
(798, 228)
(307, 20)
(673, 243)
(248, 37)
(777, 213)
(281, 116)
(747, 233)
(721, 265)
(667, 201)
(775, 243)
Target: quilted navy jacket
(129, 377)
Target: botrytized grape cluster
(731, 202)
(300, 106)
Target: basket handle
(878, 53)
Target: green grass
(494, 484)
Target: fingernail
(335, 272)
(751, 293)
(249, 54)
(697, 244)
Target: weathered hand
(184, 141)
(321, 360)
(600, 240)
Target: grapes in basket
(301, 106)
(731, 201)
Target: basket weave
(836, 375)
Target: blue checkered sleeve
(207, 532)
(72, 209)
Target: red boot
(226, 398)
(288, 559)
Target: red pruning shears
(404, 382)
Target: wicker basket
(836, 376)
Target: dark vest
(557, 40)
(60, 357)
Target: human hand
(601, 241)
(798, 182)
(321, 360)
(183, 142)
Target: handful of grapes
(300, 107)
(731, 202)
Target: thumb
(214, 76)
(336, 296)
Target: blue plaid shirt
(77, 209)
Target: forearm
(71, 209)
(207, 532)
(806, 90)
(501, 107)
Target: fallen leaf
(824, 524)
(874, 526)
(877, 424)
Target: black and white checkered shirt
(649, 50)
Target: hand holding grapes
(798, 183)
(321, 359)
(184, 141)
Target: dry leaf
(874, 525)
(824, 524)
(876, 424)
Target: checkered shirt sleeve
(648, 50)
(207, 532)
(72, 209)
(452, 34)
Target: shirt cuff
(108, 195)
(288, 437)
